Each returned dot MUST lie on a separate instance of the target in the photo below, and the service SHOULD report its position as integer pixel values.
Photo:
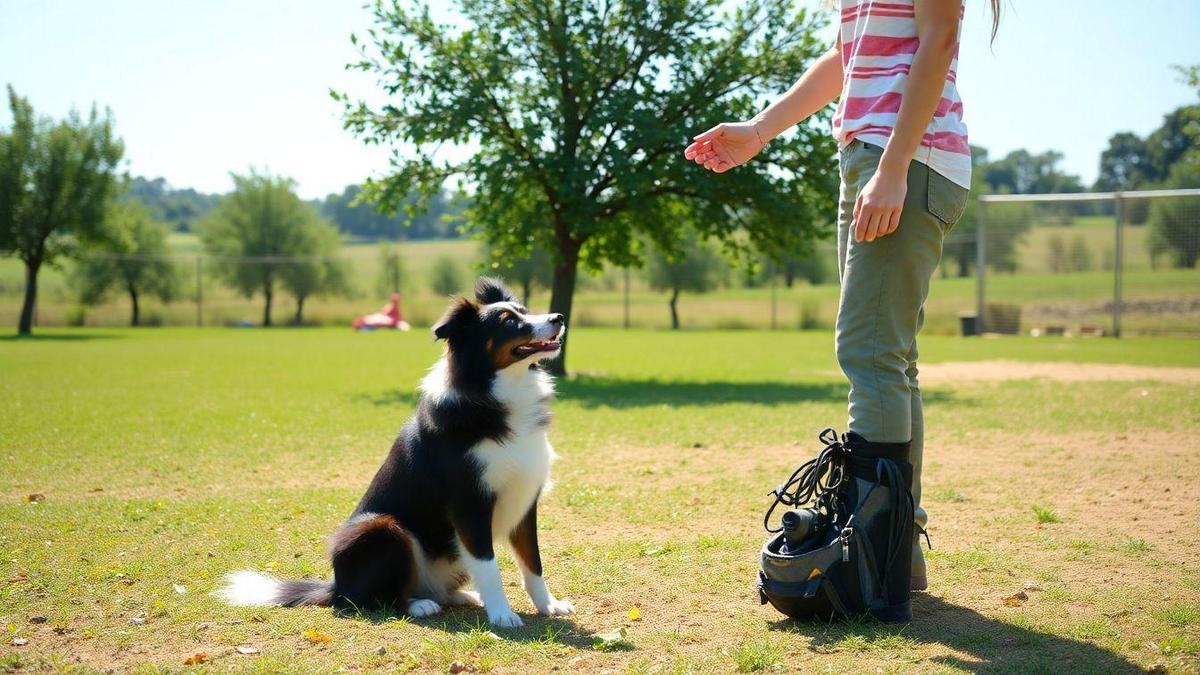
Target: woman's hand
(725, 146)
(877, 211)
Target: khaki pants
(884, 284)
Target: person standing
(905, 170)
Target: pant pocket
(945, 199)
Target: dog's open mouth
(535, 346)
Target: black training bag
(850, 551)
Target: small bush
(77, 316)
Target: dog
(466, 471)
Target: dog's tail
(255, 589)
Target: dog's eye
(507, 317)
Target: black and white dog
(466, 471)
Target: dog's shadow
(981, 643)
(460, 620)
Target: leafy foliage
(132, 257)
(319, 273)
(579, 111)
(180, 208)
(532, 270)
(55, 182)
(353, 215)
(271, 231)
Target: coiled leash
(815, 480)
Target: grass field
(1062, 479)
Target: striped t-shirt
(878, 41)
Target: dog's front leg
(529, 559)
(474, 528)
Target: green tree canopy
(55, 182)
(579, 112)
(257, 231)
(132, 257)
(695, 266)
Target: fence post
(980, 264)
(1118, 261)
(199, 292)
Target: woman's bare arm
(731, 144)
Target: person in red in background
(387, 317)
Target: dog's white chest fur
(517, 469)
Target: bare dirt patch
(994, 371)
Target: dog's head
(494, 330)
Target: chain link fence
(1086, 264)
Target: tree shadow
(992, 645)
(593, 391)
(462, 620)
(59, 337)
(596, 391)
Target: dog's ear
(461, 314)
(490, 289)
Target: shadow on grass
(614, 392)
(991, 645)
(471, 623)
(593, 391)
(59, 337)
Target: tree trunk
(526, 290)
(562, 294)
(267, 292)
(299, 320)
(25, 327)
(133, 299)
(964, 264)
(674, 309)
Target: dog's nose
(556, 319)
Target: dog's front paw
(557, 608)
(423, 607)
(505, 618)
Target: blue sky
(202, 88)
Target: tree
(1124, 164)
(579, 111)
(132, 257)
(695, 267)
(55, 182)
(445, 278)
(1079, 256)
(1006, 225)
(319, 273)
(1022, 172)
(391, 272)
(181, 209)
(256, 232)
(533, 269)
(1173, 228)
(352, 214)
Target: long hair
(995, 18)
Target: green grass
(1046, 515)
(168, 457)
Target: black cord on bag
(815, 480)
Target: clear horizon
(199, 91)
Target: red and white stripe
(878, 41)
